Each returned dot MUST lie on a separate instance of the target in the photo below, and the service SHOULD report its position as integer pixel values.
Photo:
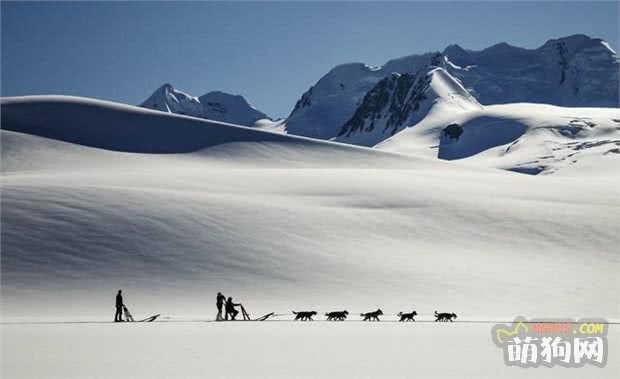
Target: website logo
(551, 342)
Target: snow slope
(526, 138)
(98, 196)
(217, 106)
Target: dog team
(370, 316)
(229, 308)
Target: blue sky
(270, 52)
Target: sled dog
(372, 316)
(444, 317)
(304, 315)
(337, 316)
(407, 316)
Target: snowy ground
(99, 196)
(274, 350)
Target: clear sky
(270, 52)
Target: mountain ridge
(570, 71)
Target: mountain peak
(165, 88)
(501, 47)
(578, 42)
(402, 100)
(215, 105)
(454, 50)
(577, 38)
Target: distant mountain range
(357, 104)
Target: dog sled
(129, 317)
(246, 315)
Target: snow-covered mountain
(558, 103)
(574, 71)
(571, 71)
(216, 105)
(432, 114)
(331, 102)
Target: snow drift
(129, 129)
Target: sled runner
(150, 319)
(129, 317)
(246, 316)
(265, 317)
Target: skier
(230, 309)
(118, 317)
(220, 300)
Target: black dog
(407, 316)
(444, 317)
(370, 316)
(337, 316)
(304, 315)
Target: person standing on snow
(118, 317)
(220, 300)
